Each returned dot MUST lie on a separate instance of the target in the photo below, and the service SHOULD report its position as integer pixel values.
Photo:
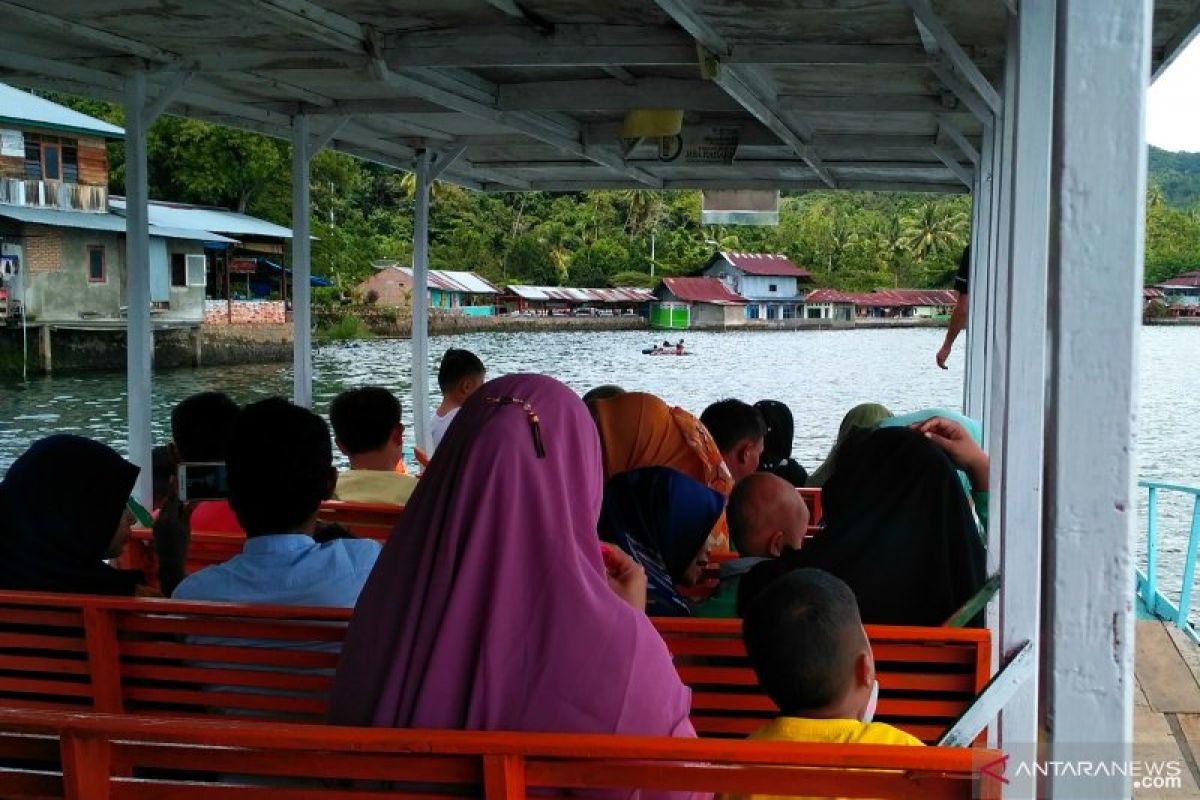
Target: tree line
(362, 213)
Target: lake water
(820, 374)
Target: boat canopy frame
(1036, 107)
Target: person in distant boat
(958, 317)
(63, 512)
(497, 551)
(368, 431)
(805, 639)
(767, 517)
(201, 426)
(663, 519)
(899, 529)
(738, 429)
(777, 443)
(280, 465)
(679, 347)
(459, 375)
(863, 417)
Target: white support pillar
(974, 386)
(139, 334)
(1095, 277)
(420, 304)
(301, 264)
(1017, 429)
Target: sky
(1173, 115)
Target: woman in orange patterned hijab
(639, 430)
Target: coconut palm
(438, 191)
(933, 228)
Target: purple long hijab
(489, 608)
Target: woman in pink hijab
(490, 607)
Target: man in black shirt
(958, 317)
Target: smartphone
(203, 481)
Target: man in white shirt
(461, 373)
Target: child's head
(807, 645)
(367, 427)
(459, 375)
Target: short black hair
(280, 460)
(801, 634)
(456, 365)
(603, 392)
(363, 419)
(202, 424)
(732, 421)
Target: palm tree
(439, 190)
(647, 210)
(1155, 197)
(933, 229)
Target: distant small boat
(658, 351)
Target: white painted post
(301, 265)
(420, 305)
(1016, 432)
(978, 291)
(139, 336)
(973, 387)
(1097, 205)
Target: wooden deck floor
(1166, 714)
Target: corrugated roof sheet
(180, 215)
(1150, 293)
(22, 109)
(892, 298)
(703, 290)
(92, 221)
(575, 295)
(829, 296)
(1188, 280)
(454, 281)
(765, 264)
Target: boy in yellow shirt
(367, 427)
(810, 652)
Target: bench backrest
(205, 548)
(119, 655)
(101, 754)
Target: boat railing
(1158, 604)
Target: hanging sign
(243, 266)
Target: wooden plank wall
(93, 161)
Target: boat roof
(842, 93)
(25, 110)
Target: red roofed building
(769, 282)
(1182, 293)
(829, 304)
(709, 302)
(881, 303)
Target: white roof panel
(175, 215)
(24, 109)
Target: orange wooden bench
(816, 513)
(205, 548)
(121, 655)
(138, 758)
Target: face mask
(872, 703)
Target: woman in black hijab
(898, 529)
(62, 512)
(777, 444)
(662, 518)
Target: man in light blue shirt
(280, 465)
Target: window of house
(70, 161)
(51, 158)
(178, 270)
(97, 269)
(772, 287)
(51, 161)
(33, 158)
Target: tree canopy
(854, 241)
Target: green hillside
(1177, 175)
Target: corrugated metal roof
(1150, 293)
(576, 295)
(703, 290)
(1188, 280)
(828, 296)
(454, 281)
(891, 298)
(179, 215)
(22, 109)
(100, 222)
(765, 264)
